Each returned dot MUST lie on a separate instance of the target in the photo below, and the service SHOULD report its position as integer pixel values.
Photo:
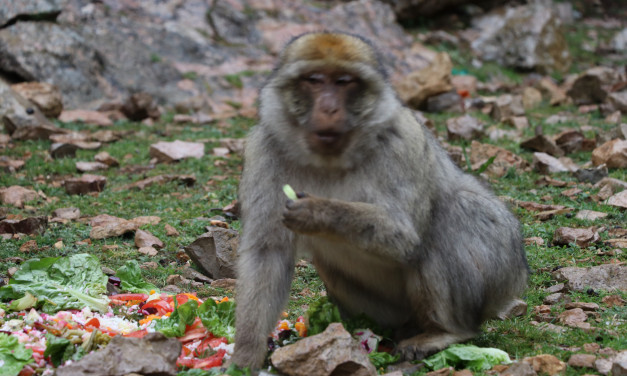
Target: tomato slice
(127, 297)
(137, 334)
(161, 306)
(92, 324)
(214, 360)
(215, 342)
(193, 334)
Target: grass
(188, 208)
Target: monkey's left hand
(307, 215)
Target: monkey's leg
(425, 344)
(265, 272)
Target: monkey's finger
(301, 194)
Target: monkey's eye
(344, 80)
(315, 78)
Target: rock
(612, 153)
(146, 220)
(39, 10)
(617, 101)
(188, 180)
(215, 252)
(435, 79)
(171, 231)
(557, 96)
(148, 251)
(140, 106)
(593, 85)
(192, 274)
(582, 360)
(23, 120)
(619, 200)
(17, 196)
(586, 306)
(45, 96)
(546, 363)
(10, 165)
(464, 127)
(573, 317)
(104, 157)
(68, 149)
(32, 225)
(107, 226)
(524, 37)
(152, 355)
(590, 215)
(146, 239)
(173, 151)
(506, 106)
(543, 144)
(505, 159)
(583, 237)
(546, 164)
(534, 240)
(450, 101)
(85, 184)
(531, 98)
(619, 41)
(224, 283)
(90, 166)
(332, 352)
(570, 140)
(560, 287)
(446, 371)
(66, 213)
(518, 122)
(519, 369)
(607, 277)
(619, 365)
(555, 298)
(85, 116)
(591, 175)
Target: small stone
(591, 175)
(531, 98)
(591, 347)
(546, 164)
(45, 96)
(85, 184)
(534, 240)
(106, 226)
(560, 287)
(590, 307)
(174, 279)
(85, 116)
(146, 220)
(518, 122)
(16, 195)
(572, 317)
(590, 215)
(582, 360)
(541, 143)
(90, 166)
(171, 231)
(612, 153)
(29, 226)
(104, 157)
(519, 369)
(570, 141)
(546, 363)
(555, 298)
(618, 200)
(67, 213)
(150, 265)
(583, 237)
(609, 277)
(507, 106)
(464, 127)
(224, 283)
(146, 239)
(173, 151)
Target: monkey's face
(326, 107)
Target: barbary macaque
(395, 230)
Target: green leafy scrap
(467, 356)
(131, 279)
(219, 319)
(183, 315)
(13, 355)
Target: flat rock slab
(108, 226)
(619, 200)
(32, 225)
(86, 116)
(153, 355)
(609, 277)
(215, 252)
(85, 184)
(612, 153)
(146, 239)
(16, 195)
(176, 150)
(332, 352)
(583, 237)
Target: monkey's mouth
(327, 142)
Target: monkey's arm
(368, 226)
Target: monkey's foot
(423, 345)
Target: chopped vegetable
(23, 303)
(132, 280)
(183, 315)
(467, 356)
(382, 359)
(60, 283)
(219, 319)
(289, 192)
(13, 355)
(321, 314)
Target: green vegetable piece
(131, 279)
(60, 283)
(13, 355)
(382, 359)
(289, 192)
(174, 326)
(219, 319)
(320, 315)
(467, 356)
(56, 349)
(23, 303)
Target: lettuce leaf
(132, 280)
(219, 319)
(320, 314)
(13, 355)
(467, 356)
(60, 283)
(174, 326)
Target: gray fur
(395, 229)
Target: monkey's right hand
(307, 215)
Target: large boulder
(523, 37)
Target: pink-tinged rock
(619, 200)
(85, 116)
(583, 237)
(16, 195)
(85, 184)
(547, 364)
(146, 239)
(612, 153)
(176, 150)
